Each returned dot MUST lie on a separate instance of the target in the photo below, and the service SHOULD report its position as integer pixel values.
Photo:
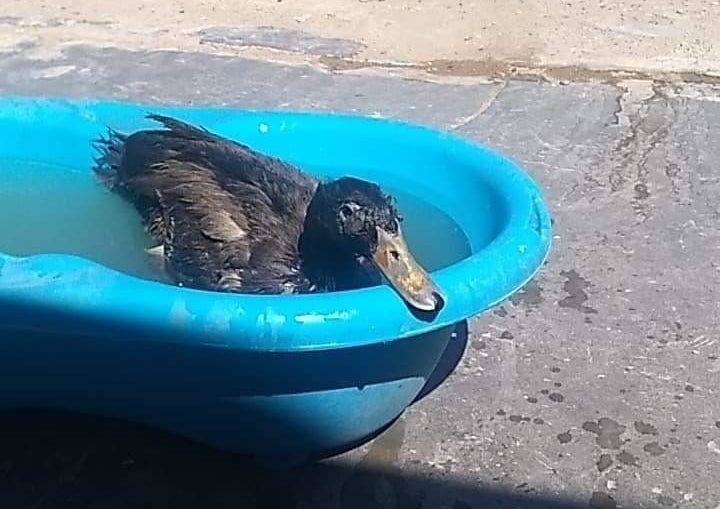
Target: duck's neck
(326, 268)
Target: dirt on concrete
(447, 37)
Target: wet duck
(228, 218)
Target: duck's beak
(404, 273)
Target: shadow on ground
(60, 460)
(69, 461)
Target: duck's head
(349, 217)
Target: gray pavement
(596, 385)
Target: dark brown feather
(229, 218)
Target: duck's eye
(395, 254)
(346, 211)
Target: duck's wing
(227, 218)
(219, 240)
(235, 165)
(204, 230)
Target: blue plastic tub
(284, 378)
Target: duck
(225, 217)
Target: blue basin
(284, 378)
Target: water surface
(50, 209)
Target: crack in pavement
(482, 109)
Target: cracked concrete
(486, 104)
(596, 385)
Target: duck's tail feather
(110, 149)
(181, 128)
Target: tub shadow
(54, 460)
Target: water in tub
(49, 209)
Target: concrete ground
(597, 385)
